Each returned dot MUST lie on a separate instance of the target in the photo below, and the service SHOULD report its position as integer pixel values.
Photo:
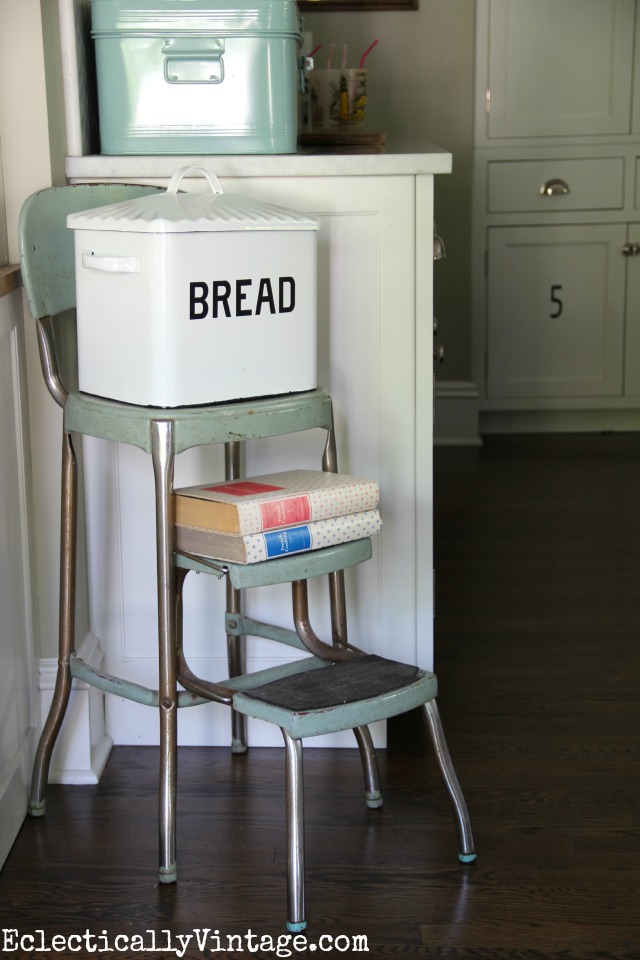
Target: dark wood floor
(538, 658)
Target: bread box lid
(173, 212)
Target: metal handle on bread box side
(194, 69)
(193, 59)
(107, 264)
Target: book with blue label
(268, 509)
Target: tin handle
(194, 70)
(176, 179)
(111, 264)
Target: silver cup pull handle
(554, 188)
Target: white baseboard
(83, 747)
(457, 414)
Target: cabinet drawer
(519, 186)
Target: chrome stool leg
(295, 833)
(162, 448)
(369, 767)
(463, 823)
(68, 552)
(338, 605)
(236, 658)
(236, 646)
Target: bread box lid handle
(182, 172)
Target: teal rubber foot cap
(168, 874)
(296, 927)
(467, 857)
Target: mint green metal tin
(196, 76)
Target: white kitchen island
(375, 348)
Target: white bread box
(195, 298)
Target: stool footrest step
(336, 684)
(320, 697)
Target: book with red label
(271, 544)
(273, 501)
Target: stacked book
(260, 518)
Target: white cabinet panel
(556, 311)
(560, 67)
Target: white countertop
(423, 158)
